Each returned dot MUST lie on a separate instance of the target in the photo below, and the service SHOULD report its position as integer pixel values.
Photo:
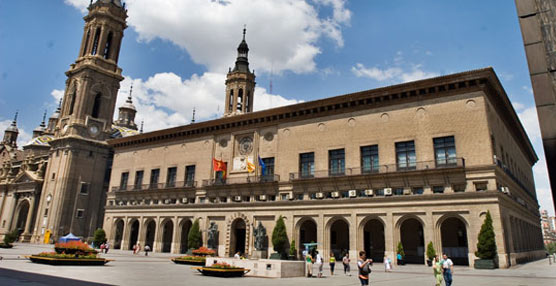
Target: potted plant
(280, 238)
(401, 254)
(69, 253)
(431, 253)
(194, 236)
(222, 269)
(9, 238)
(486, 245)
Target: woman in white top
(319, 262)
(387, 264)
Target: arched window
(247, 101)
(72, 102)
(240, 99)
(95, 42)
(86, 42)
(231, 103)
(108, 46)
(96, 106)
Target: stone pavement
(157, 269)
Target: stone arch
(118, 233)
(150, 232)
(22, 211)
(184, 227)
(167, 232)
(231, 235)
(371, 234)
(337, 236)
(454, 238)
(133, 233)
(411, 234)
(305, 232)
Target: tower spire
(244, 30)
(130, 91)
(14, 123)
(193, 118)
(141, 130)
(43, 119)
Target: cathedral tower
(10, 134)
(73, 193)
(126, 115)
(240, 84)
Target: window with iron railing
(171, 177)
(405, 155)
(369, 159)
(445, 151)
(336, 162)
(123, 180)
(307, 165)
(189, 175)
(153, 183)
(138, 179)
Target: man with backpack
(364, 266)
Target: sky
(176, 54)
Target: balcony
(158, 186)
(241, 180)
(382, 169)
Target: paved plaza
(157, 269)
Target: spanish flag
(250, 167)
(220, 166)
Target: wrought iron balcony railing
(382, 169)
(241, 180)
(157, 186)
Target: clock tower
(75, 182)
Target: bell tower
(10, 134)
(240, 83)
(75, 183)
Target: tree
(99, 237)
(550, 247)
(400, 249)
(486, 245)
(431, 253)
(194, 237)
(293, 251)
(280, 237)
(10, 237)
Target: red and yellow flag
(220, 166)
(250, 167)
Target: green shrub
(280, 237)
(431, 253)
(99, 237)
(10, 237)
(400, 249)
(194, 238)
(486, 245)
(293, 251)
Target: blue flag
(263, 166)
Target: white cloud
(282, 34)
(518, 106)
(530, 122)
(392, 74)
(166, 100)
(22, 138)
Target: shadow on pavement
(26, 278)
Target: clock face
(245, 145)
(93, 129)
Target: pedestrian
(319, 263)
(138, 248)
(437, 270)
(106, 247)
(147, 249)
(364, 266)
(102, 247)
(309, 265)
(448, 268)
(387, 264)
(134, 249)
(237, 255)
(400, 259)
(345, 262)
(332, 263)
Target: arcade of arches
(336, 235)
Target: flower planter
(2, 245)
(222, 272)
(485, 264)
(69, 261)
(179, 260)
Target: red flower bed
(203, 251)
(74, 247)
(223, 265)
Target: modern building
(537, 19)
(411, 163)
(548, 230)
(57, 184)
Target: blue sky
(176, 53)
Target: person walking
(319, 262)
(138, 248)
(364, 266)
(147, 249)
(102, 247)
(399, 257)
(437, 270)
(106, 247)
(448, 268)
(387, 264)
(345, 262)
(332, 263)
(309, 264)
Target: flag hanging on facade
(250, 166)
(219, 166)
(263, 166)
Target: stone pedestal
(260, 254)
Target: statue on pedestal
(260, 237)
(212, 236)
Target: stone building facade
(412, 163)
(537, 19)
(58, 182)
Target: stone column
(142, 233)
(352, 236)
(125, 235)
(321, 233)
(30, 213)
(389, 238)
(157, 244)
(175, 236)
